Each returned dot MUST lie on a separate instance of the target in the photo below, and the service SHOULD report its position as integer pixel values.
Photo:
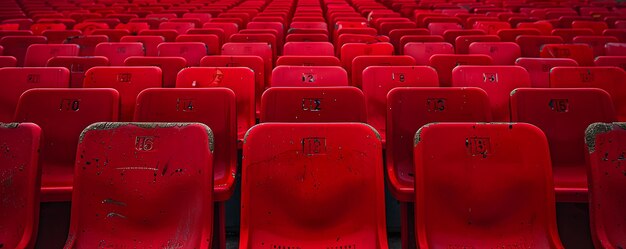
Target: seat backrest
(610, 79)
(117, 52)
(313, 104)
(16, 81)
(473, 174)
(502, 53)
(128, 81)
(422, 51)
(17, 46)
(214, 107)
(308, 76)
(212, 42)
(150, 43)
(581, 53)
(611, 61)
(38, 55)
(531, 45)
(351, 50)
(361, 63)
(497, 81)
(77, 65)
(87, 43)
(238, 79)
(191, 51)
(539, 68)
(445, 63)
(615, 48)
(8, 61)
(170, 66)
(259, 49)
(113, 204)
(297, 60)
(563, 115)
(62, 115)
(605, 145)
(322, 164)
(20, 174)
(309, 48)
(379, 80)
(410, 108)
(462, 42)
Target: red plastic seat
(170, 66)
(8, 61)
(180, 27)
(362, 62)
(379, 80)
(169, 34)
(254, 48)
(615, 49)
(117, 52)
(439, 28)
(611, 61)
(531, 44)
(306, 38)
(539, 69)
(351, 50)
(238, 79)
(19, 210)
(38, 28)
(255, 63)
(619, 33)
(193, 52)
(476, 178)
(268, 39)
(610, 79)
(502, 53)
(422, 51)
(597, 43)
(60, 36)
(596, 26)
(62, 115)
(16, 81)
(605, 144)
(214, 107)
(212, 42)
(396, 34)
(313, 104)
(77, 65)
(228, 28)
(309, 48)
(450, 35)
(410, 108)
(296, 60)
(463, 42)
(87, 43)
(491, 27)
(308, 76)
(128, 81)
(581, 53)
(16, 46)
(569, 34)
(114, 35)
(445, 63)
(563, 115)
(509, 35)
(112, 205)
(313, 160)
(37, 55)
(497, 81)
(150, 43)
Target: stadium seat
(269, 40)
(497, 81)
(410, 108)
(117, 52)
(569, 34)
(128, 81)
(539, 68)
(180, 27)
(362, 62)
(62, 115)
(314, 160)
(253, 48)
(615, 49)
(8, 61)
(168, 34)
(351, 50)
(308, 76)
(255, 63)
(502, 53)
(509, 35)
(19, 210)
(115, 205)
(611, 61)
(170, 66)
(77, 65)
(609, 79)
(191, 51)
(37, 55)
(313, 104)
(531, 44)
(422, 51)
(596, 43)
(114, 35)
(379, 80)
(463, 42)
(150, 43)
(605, 144)
(563, 115)
(17, 80)
(444, 63)
(581, 53)
(212, 42)
(87, 43)
(296, 60)
(214, 107)
(59, 36)
(238, 79)
(309, 48)
(16, 46)
(476, 179)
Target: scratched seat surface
(483, 186)
(321, 163)
(605, 145)
(143, 185)
(19, 177)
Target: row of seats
(468, 175)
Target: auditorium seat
(563, 115)
(238, 79)
(19, 168)
(77, 66)
(609, 79)
(605, 145)
(321, 163)
(141, 197)
(313, 104)
(128, 81)
(117, 52)
(497, 81)
(483, 186)
(308, 76)
(62, 115)
(16, 81)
